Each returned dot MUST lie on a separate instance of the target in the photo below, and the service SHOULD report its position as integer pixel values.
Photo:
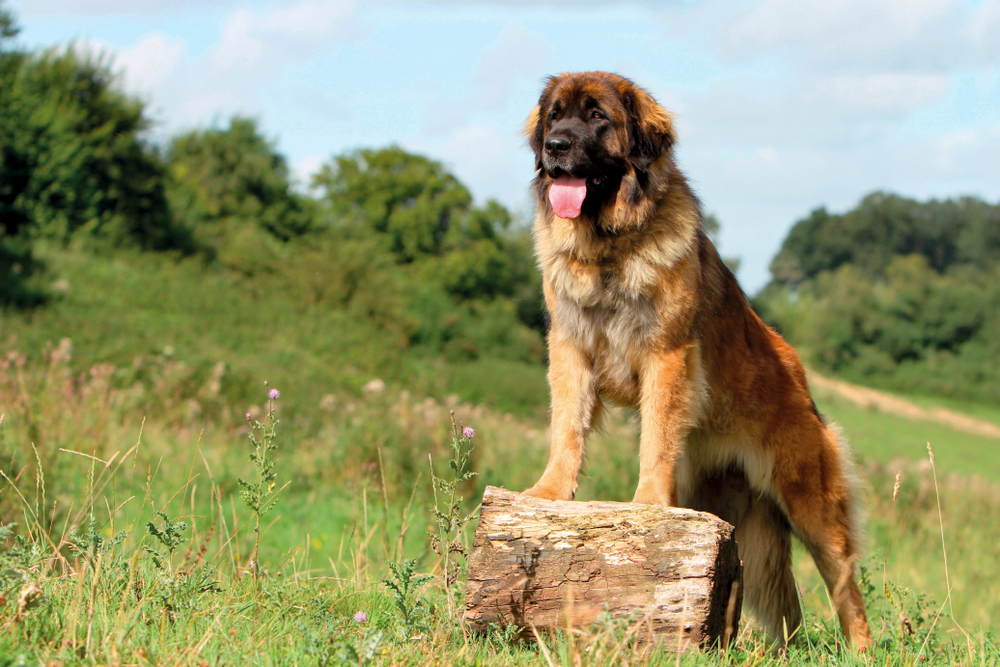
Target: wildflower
(273, 394)
(360, 617)
(468, 433)
(248, 416)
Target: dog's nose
(557, 144)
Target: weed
(259, 494)
(448, 514)
(19, 560)
(331, 645)
(411, 614)
(82, 587)
(170, 536)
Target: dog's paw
(651, 497)
(546, 492)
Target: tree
(426, 218)
(75, 164)
(15, 170)
(896, 293)
(8, 27)
(883, 226)
(410, 199)
(224, 181)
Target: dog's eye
(597, 115)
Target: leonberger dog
(644, 313)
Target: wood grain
(556, 564)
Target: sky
(782, 106)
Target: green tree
(978, 242)
(8, 25)
(426, 218)
(883, 226)
(461, 278)
(15, 256)
(896, 293)
(228, 184)
(410, 199)
(75, 164)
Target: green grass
(354, 472)
(141, 312)
(336, 527)
(879, 436)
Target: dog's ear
(650, 127)
(534, 130)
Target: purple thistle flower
(248, 416)
(273, 394)
(468, 433)
(360, 617)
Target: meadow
(232, 413)
(138, 529)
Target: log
(558, 564)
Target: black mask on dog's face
(588, 132)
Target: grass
(101, 437)
(191, 325)
(879, 436)
(355, 503)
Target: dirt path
(872, 398)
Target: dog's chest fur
(610, 296)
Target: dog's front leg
(575, 408)
(668, 392)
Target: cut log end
(561, 564)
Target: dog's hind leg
(763, 537)
(815, 488)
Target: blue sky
(782, 105)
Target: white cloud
(880, 94)
(516, 52)
(579, 4)
(443, 118)
(252, 51)
(864, 34)
(151, 62)
(313, 20)
(486, 160)
(985, 32)
(101, 7)
(962, 156)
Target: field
(137, 543)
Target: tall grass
(125, 540)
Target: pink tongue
(566, 196)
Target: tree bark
(560, 564)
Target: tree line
(895, 292)
(390, 233)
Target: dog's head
(595, 136)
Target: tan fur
(644, 313)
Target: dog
(644, 313)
